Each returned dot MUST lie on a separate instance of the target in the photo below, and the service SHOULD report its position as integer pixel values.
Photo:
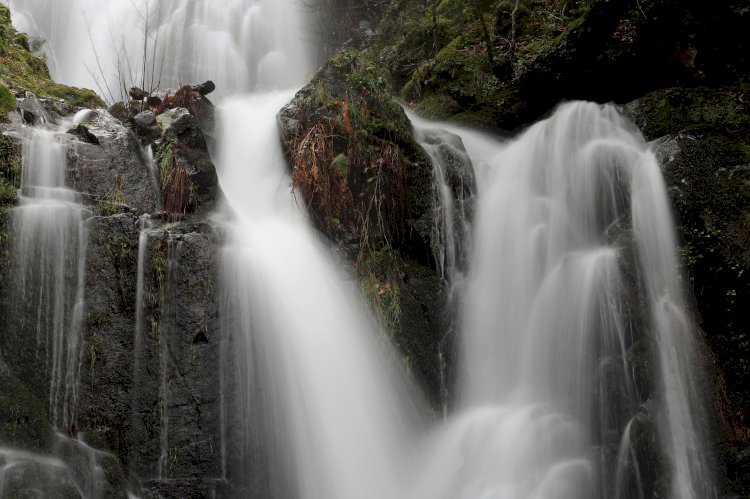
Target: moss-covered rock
(498, 64)
(700, 111)
(10, 182)
(184, 124)
(7, 102)
(354, 160)
(10, 170)
(367, 183)
(23, 417)
(20, 69)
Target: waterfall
(574, 266)
(50, 233)
(572, 273)
(322, 373)
(453, 196)
(50, 237)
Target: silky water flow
(570, 266)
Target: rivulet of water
(49, 260)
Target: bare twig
(98, 62)
(638, 3)
(513, 20)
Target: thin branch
(98, 61)
(513, 31)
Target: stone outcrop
(183, 148)
(148, 400)
(367, 183)
(150, 395)
(109, 164)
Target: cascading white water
(573, 233)
(50, 253)
(453, 193)
(453, 188)
(111, 46)
(325, 375)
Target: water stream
(50, 236)
(344, 425)
(574, 268)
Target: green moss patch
(21, 69)
(23, 418)
(10, 170)
(7, 101)
(695, 110)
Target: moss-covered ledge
(21, 70)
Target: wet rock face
(23, 416)
(151, 395)
(109, 164)
(184, 271)
(107, 356)
(31, 109)
(424, 333)
(148, 403)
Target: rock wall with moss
(21, 70)
(702, 136)
(367, 184)
(121, 393)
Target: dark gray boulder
(144, 120)
(110, 165)
(204, 88)
(149, 395)
(183, 152)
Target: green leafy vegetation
(10, 171)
